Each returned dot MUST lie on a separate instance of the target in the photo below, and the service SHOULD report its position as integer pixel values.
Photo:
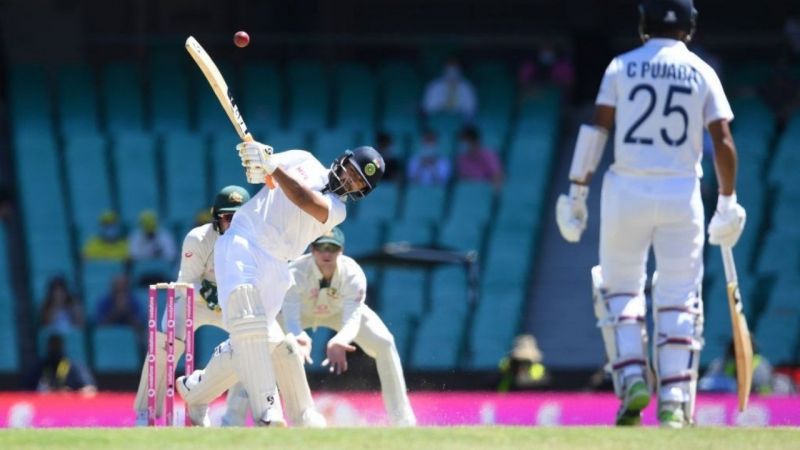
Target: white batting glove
(571, 212)
(727, 223)
(257, 160)
(304, 344)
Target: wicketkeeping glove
(209, 292)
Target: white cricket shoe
(198, 414)
(272, 418)
(313, 419)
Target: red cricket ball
(241, 39)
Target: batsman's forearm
(725, 160)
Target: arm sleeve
(716, 106)
(193, 261)
(336, 211)
(607, 94)
(351, 306)
(291, 307)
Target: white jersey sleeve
(607, 94)
(336, 211)
(716, 106)
(354, 290)
(193, 260)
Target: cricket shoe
(312, 419)
(272, 418)
(637, 397)
(671, 415)
(141, 418)
(198, 414)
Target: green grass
(484, 438)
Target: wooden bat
(743, 346)
(220, 88)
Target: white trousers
(638, 213)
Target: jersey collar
(664, 42)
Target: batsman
(197, 267)
(329, 291)
(660, 97)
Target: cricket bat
(743, 346)
(220, 88)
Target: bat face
(743, 346)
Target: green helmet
(228, 200)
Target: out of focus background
(112, 146)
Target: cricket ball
(241, 39)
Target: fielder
(329, 291)
(660, 96)
(251, 261)
(197, 267)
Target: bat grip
(268, 180)
(729, 264)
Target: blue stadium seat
(184, 176)
(471, 202)
(437, 343)
(412, 232)
(308, 95)
(362, 237)
(402, 91)
(87, 177)
(461, 235)
(29, 100)
(206, 340)
(449, 292)
(381, 204)
(329, 144)
(320, 337)
(402, 294)
(77, 105)
(262, 97)
(74, 344)
(779, 254)
(49, 255)
(121, 97)
(168, 95)
(9, 351)
(282, 140)
(497, 320)
(116, 350)
(507, 261)
(424, 203)
(226, 167)
(97, 278)
(137, 182)
(355, 94)
(716, 326)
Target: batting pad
(203, 386)
(140, 402)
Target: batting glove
(571, 212)
(255, 155)
(727, 223)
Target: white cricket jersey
(306, 304)
(276, 224)
(664, 96)
(197, 255)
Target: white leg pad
(621, 319)
(140, 402)
(236, 406)
(249, 331)
(679, 339)
(291, 378)
(203, 386)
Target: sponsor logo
(188, 254)
(370, 169)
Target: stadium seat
(355, 94)
(116, 350)
(471, 202)
(184, 176)
(121, 97)
(49, 255)
(402, 294)
(74, 344)
(320, 337)
(380, 204)
(168, 95)
(9, 351)
(497, 320)
(461, 235)
(424, 203)
(206, 340)
(29, 100)
(362, 237)
(77, 99)
(261, 97)
(414, 233)
(282, 140)
(508, 257)
(308, 95)
(402, 91)
(135, 167)
(779, 254)
(97, 278)
(226, 167)
(330, 144)
(87, 177)
(449, 292)
(437, 342)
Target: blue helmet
(658, 16)
(369, 164)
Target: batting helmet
(658, 16)
(369, 164)
(228, 200)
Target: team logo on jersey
(670, 17)
(370, 169)
(188, 254)
(235, 197)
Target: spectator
(522, 368)
(109, 243)
(428, 167)
(56, 372)
(476, 162)
(451, 93)
(61, 311)
(120, 306)
(384, 144)
(721, 373)
(150, 241)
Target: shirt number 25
(669, 109)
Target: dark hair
(471, 132)
(383, 139)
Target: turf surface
(484, 438)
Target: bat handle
(268, 181)
(728, 264)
